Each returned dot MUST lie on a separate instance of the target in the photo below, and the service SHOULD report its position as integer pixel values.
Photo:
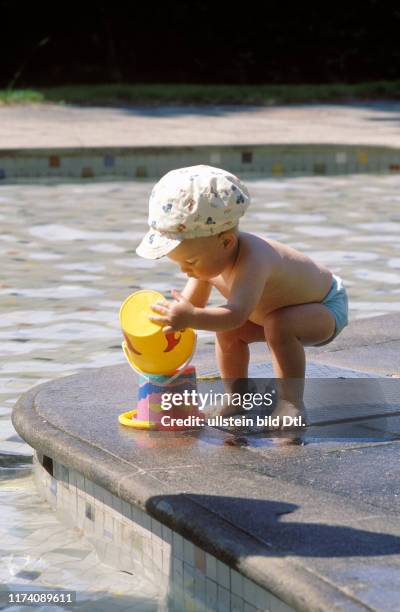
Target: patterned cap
(190, 203)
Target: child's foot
(226, 408)
(288, 416)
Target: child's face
(203, 258)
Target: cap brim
(154, 245)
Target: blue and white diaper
(337, 302)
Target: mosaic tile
(200, 591)
(188, 579)
(215, 159)
(54, 161)
(107, 498)
(211, 594)
(53, 486)
(200, 559)
(224, 599)
(126, 510)
(109, 161)
(211, 567)
(362, 157)
(87, 172)
(80, 482)
(277, 169)
(89, 487)
(177, 545)
(188, 552)
(249, 591)
(223, 575)
(167, 559)
(177, 572)
(237, 603)
(141, 172)
(89, 511)
(249, 608)
(275, 605)
(156, 528)
(236, 583)
(166, 534)
(117, 504)
(319, 168)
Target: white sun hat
(190, 203)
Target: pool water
(68, 262)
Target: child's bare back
(293, 278)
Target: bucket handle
(177, 373)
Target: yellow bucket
(147, 348)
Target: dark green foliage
(198, 42)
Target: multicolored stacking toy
(161, 360)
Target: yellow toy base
(127, 418)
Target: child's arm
(245, 294)
(197, 292)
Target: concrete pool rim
(290, 584)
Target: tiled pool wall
(152, 162)
(129, 539)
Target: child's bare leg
(287, 331)
(232, 354)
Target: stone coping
(311, 524)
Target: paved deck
(370, 345)
(56, 126)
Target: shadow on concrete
(174, 110)
(219, 110)
(266, 521)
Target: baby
(274, 293)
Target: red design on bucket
(172, 341)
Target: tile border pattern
(129, 539)
(152, 162)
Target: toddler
(273, 293)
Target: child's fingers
(167, 329)
(159, 308)
(178, 296)
(157, 319)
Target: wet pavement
(69, 262)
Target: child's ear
(227, 239)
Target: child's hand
(176, 315)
